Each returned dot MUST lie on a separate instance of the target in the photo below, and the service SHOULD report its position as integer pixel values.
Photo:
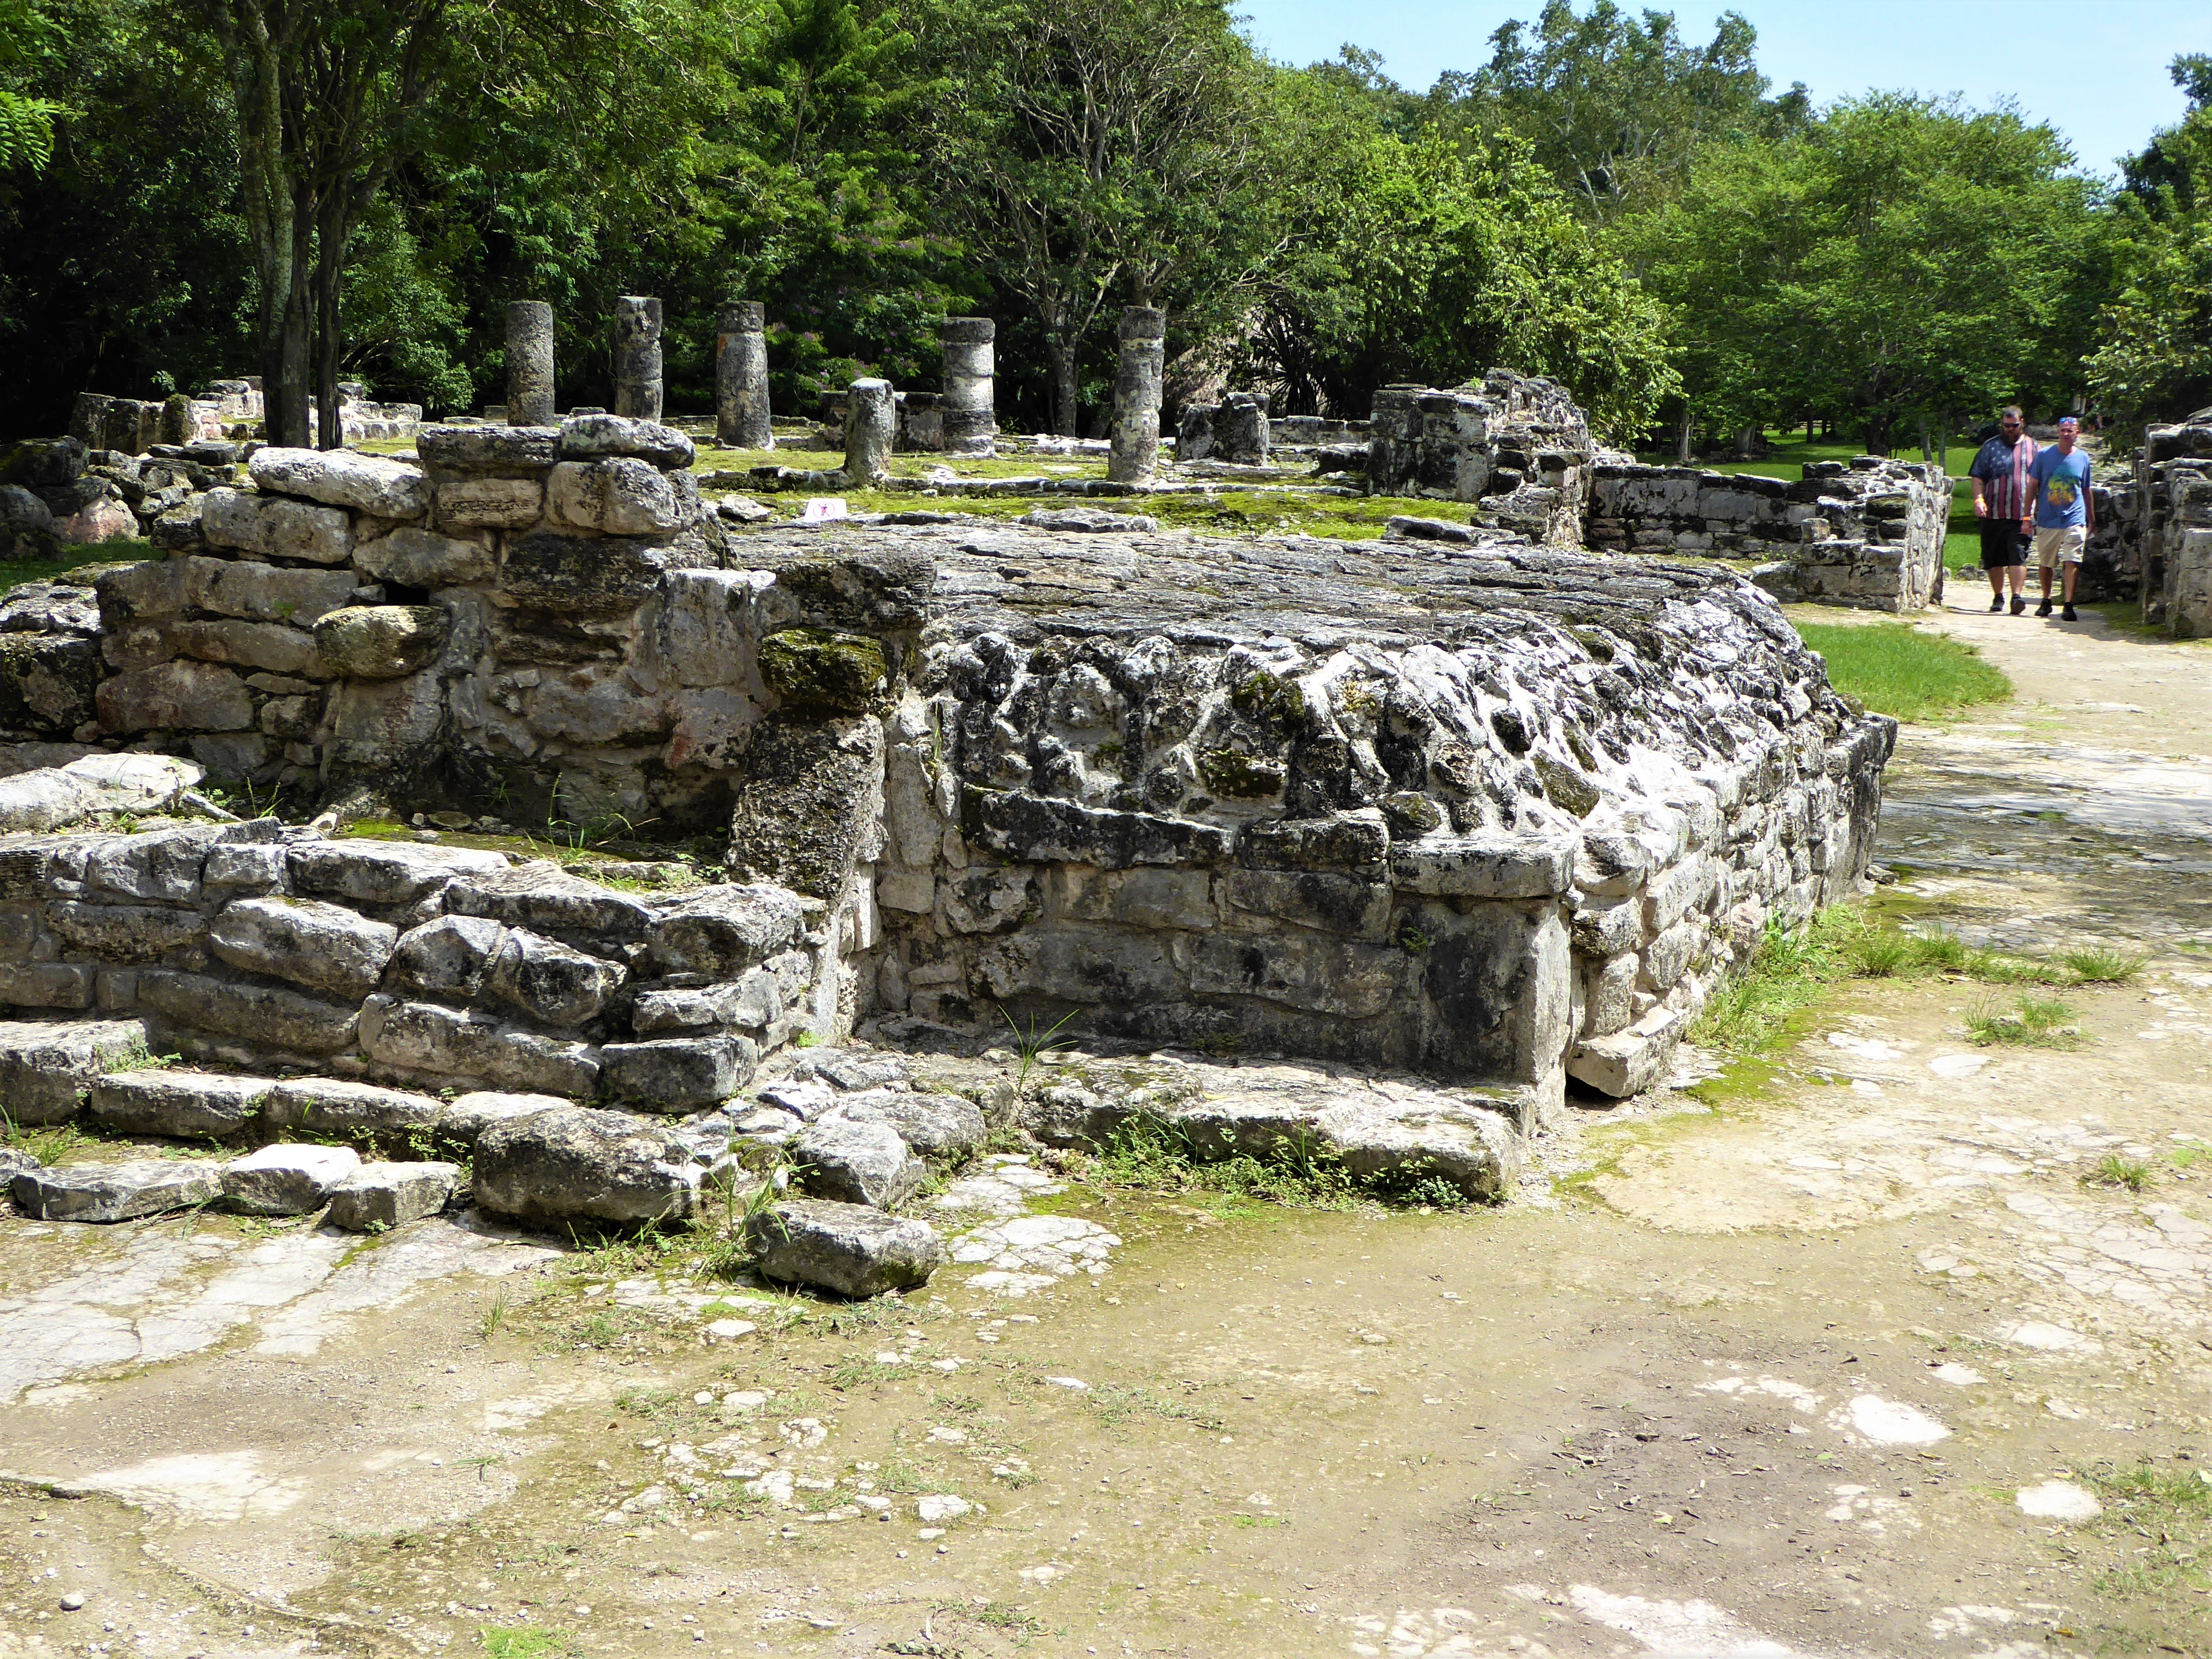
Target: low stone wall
(261, 946)
(224, 410)
(1235, 429)
(54, 491)
(1868, 533)
(2175, 528)
(1516, 447)
(1312, 431)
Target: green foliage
(2114, 1170)
(1898, 261)
(1157, 1153)
(2033, 1022)
(2154, 353)
(525, 1641)
(1897, 668)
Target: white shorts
(2061, 546)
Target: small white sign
(821, 509)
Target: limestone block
(600, 437)
(379, 724)
(423, 1038)
(574, 574)
(63, 985)
(422, 558)
(600, 708)
(378, 485)
(270, 646)
(114, 1192)
(543, 898)
(1495, 864)
(490, 503)
(176, 1103)
(1313, 973)
(243, 869)
(1496, 984)
(447, 958)
(1673, 893)
(986, 899)
(678, 1074)
(811, 669)
(573, 1163)
(488, 449)
(709, 625)
(1667, 957)
(341, 1106)
(1135, 898)
(287, 1179)
(709, 727)
(276, 528)
(847, 1248)
(622, 496)
(47, 682)
(1335, 904)
(467, 1116)
(1088, 965)
(166, 864)
(551, 983)
(384, 872)
(1353, 844)
(381, 642)
(377, 1197)
(811, 803)
(1630, 1062)
(1036, 830)
(45, 1069)
(123, 933)
(752, 1003)
(173, 696)
(263, 592)
(269, 1018)
(857, 1162)
(326, 947)
(1608, 996)
(936, 1126)
(49, 798)
(1606, 930)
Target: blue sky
(2095, 69)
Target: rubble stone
(849, 1249)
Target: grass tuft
(525, 1641)
(1894, 668)
(2100, 965)
(2031, 1022)
(2114, 1170)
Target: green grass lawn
(1896, 669)
(75, 557)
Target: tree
(2155, 356)
(1433, 261)
(1903, 259)
(1616, 107)
(1097, 152)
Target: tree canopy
(310, 193)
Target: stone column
(530, 363)
(741, 377)
(970, 420)
(870, 430)
(1136, 452)
(637, 357)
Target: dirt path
(1762, 1369)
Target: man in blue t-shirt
(2063, 518)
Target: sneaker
(1996, 604)
(2043, 610)
(2018, 604)
(2067, 615)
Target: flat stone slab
(360, 1111)
(115, 1192)
(184, 1105)
(938, 1125)
(377, 1197)
(850, 1249)
(579, 1164)
(53, 796)
(286, 1179)
(47, 1067)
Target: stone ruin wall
(1515, 447)
(1867, 533)
(2172, 526)
(1511, 834)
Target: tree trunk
(1682, 437)
(330, 263)
(1877, 432)
(1062, 355)
(1808, 431)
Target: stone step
(48, 1066)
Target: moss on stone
(813, 668)
(1270, 697)
(1243, 777)
(1566, 786)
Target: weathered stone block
(446, 958)
(114, 1192)
(287, 1179)
(375, 484)
(490, 503)
(281, 1022)
(46, 984)
(326, 947)
(1335, 904)
(276, 528)
(383, 872)
(381, 642)
(595, 437)
(579, 1164)
(848, 1248)
(810, 668)
(1038, 830)
(1315, 973)
(377, 1197)
(183, 1105)
(358, 1111)
(175, 697)
(423, 1038)
(857, 1162)
(422, 558)
(551, 983)
(622, 497)
(678, 1074)
(47, 1069)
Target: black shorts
(2002, 543)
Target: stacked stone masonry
(2173, 544)
(1516, 446)
(1482, 810)
(1867, 533)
